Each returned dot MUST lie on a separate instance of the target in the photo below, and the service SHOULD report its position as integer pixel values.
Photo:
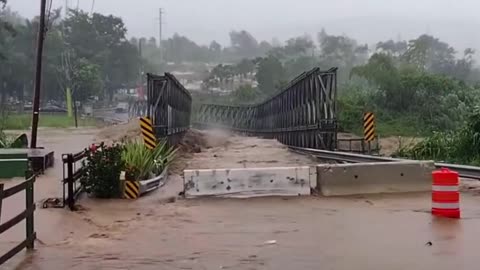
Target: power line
(93, 6)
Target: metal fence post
(29, 204)
(1, 199)
(70, 189)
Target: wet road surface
(360, 232)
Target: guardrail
(27, 214)
(464, 171)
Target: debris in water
(270, 242)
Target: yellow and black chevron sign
(147, 132)
(132, 190)
(369, 126)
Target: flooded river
(361, 232)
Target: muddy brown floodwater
(359, 232)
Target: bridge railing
(303, 114)
(27, 215)
(169, 106)
(359, 145)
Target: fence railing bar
(79, 156)
(17, 219)
(16, 189)
(78, 173)
(1, 200)
(7, 256)
(27, 214)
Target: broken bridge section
(303, 114)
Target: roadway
(161, 232)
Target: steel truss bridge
(168, 105)
(303, 114)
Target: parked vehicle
(122, 107)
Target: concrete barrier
(154, 183)
(248, 182)
(367, 178)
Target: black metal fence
(169, 107)
(27, 215)
(73, 171)
(303, 114)
(358, 145)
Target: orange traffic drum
(445, 193)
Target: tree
(464, 66)
(264, 47)
(152, 42)
(244, 44)
(299, 45)
(337, 50)
(342, 52)
(6, 28)
(215, 47)
(245, 67)
(180, 49)
(296, 66)
(382, 71)
(270, 74)
(245, 94)
(102, 41)
(392, 48)
(86, 79)
(430, 54)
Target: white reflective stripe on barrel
(445, 205)
(444, 188)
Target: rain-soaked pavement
(360, 232)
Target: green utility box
(13, 163)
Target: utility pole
(38, 74)
(66, 8)
(160, 35)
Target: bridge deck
(223, 150)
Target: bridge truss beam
(303, 114)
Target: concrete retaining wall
(366, 178)
(248, 182)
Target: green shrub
(141, 163)
(460, 146)
(102, 171)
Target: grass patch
(24, 121)
(400, 127)
(390, 127)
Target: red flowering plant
(103, 166)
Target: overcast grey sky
(456, 22)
